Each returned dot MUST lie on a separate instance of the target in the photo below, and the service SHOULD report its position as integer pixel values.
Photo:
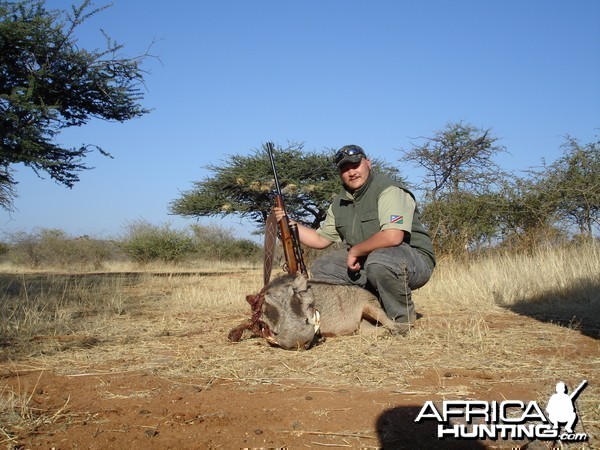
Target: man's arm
(381, 239)
(308, 236)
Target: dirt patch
(161, 374)
(139, 410)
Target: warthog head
(289, 312)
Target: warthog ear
(300, 284)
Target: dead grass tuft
(486, 327)
(18, 415)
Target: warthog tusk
(316, 320)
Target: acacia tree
(458, 158)
(48, 83)
(526, 216)
(572, 185)
(244, 185)
(461, 182)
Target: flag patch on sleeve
(396, 219)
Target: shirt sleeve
(327, 227)
(396, 209)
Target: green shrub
(145, 243)
(54, 248)
(4, 248)
(218, 243)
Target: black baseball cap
(348, 154)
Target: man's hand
(381, 239)
(352, 262)
(308, 236)
(279, 213)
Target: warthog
(294, 311)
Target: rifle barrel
(579, 388)
(272, 158)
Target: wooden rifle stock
(288, 232)
(287, 239)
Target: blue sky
(234, 74)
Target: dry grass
(472, 338)
(510, 279)
(17, 414)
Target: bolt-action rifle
(288, 232)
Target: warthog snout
(290, 314)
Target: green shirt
(380, 204)
(395, 209)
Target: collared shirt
(395, 210)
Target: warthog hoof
(400, 328)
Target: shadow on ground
(396, 429)
(576, 306)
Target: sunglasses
(349, 150)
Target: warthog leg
(374, 313)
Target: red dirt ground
(111, 409)
(116, 406)
(228, 415)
